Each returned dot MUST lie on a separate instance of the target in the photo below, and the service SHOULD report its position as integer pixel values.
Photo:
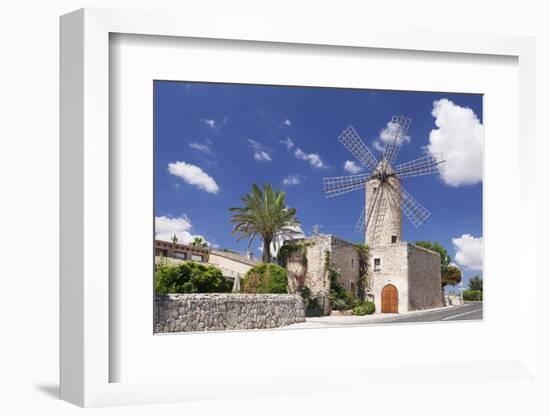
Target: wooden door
(389, 299)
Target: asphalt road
(467, 312)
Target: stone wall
(309, 267)
(424, 278)
(225, 311)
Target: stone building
(232, 265)
(306, 261)
(401, 277)
(181, 251)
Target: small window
(352, 263)
(394, 239)
(377, 266)
(194, 257)
(180, 255)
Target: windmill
(386, 199)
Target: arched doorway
(389, 299)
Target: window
(394, 239)
(352, 263)
(377, 265)
(180, 255)
(194, 257)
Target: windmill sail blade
(361, 225)
(425, 165)
(351, 140)
(339, 185)
(400, 127)
(413, 209)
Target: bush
(472, 295)
(265, 278)
(190, 277)
(366, 308)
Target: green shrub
(366, 308)
(189, 277)
(472, 295)
(265, 278)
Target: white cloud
(287, 122)
(209, 122)
(351, 167)
(292, 180)
(387, 135)
(166, 227)
(200, 147)
(194, 175)
(378, 146)
(214, 124)
(260, 152)
(288, 143)
(459, 140)
(313, 158)
(469, 251)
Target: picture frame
(87, 304)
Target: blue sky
(212, 141)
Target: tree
(264, 213)
(265, 278)
(199, 242)
(475, 283)
(190, 277)
(451, 276)
(174, 239)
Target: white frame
(84, 342)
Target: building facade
(401, 277)
(181, 251)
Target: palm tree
(264, 213)
(199, 242)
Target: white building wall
(229, 266)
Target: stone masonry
(413, 270)
(308, 267)
(383, 210)
(226, 311)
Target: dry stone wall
(225, 311)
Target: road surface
(467, 312)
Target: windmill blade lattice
(414, 210)
(339, 185)
(351, 140)
(425, 165)
(392, 147)
(361, 224)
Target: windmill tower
(386, 199)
